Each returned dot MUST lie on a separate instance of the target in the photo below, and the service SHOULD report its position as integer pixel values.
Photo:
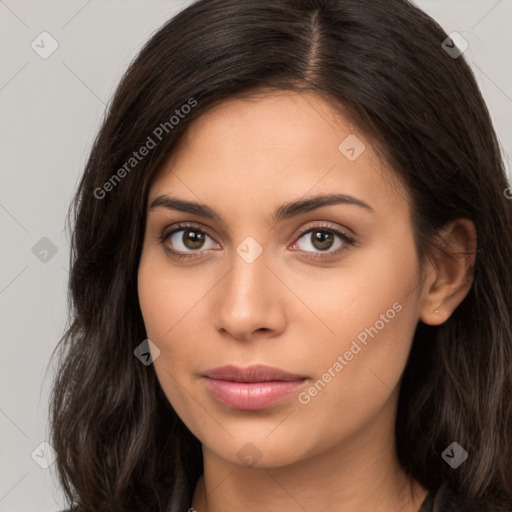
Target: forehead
(252, 153)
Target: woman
(290, 275)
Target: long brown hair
(119, 443)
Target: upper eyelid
(180, 226)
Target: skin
(288, 310)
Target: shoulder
(446, 499)
(442, 500)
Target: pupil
(322, 239)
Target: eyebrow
(283, 212)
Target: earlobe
(453, 272)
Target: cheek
(378, 276)
(166, 295)
(373, 319)
(172, 309)
(155, 304)
(163, 303)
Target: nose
(250, 300)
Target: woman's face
(272, 283)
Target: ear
(451, 273)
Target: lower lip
(251, 395)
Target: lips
(251, 388)
(255, 373)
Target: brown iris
(322, 240)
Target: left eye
(323, 240)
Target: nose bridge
(249, 299)
(248, 277)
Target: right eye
(185, 240)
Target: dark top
(443, 500)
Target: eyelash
(348, 244)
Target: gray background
(50, 110)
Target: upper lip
(253, 373)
